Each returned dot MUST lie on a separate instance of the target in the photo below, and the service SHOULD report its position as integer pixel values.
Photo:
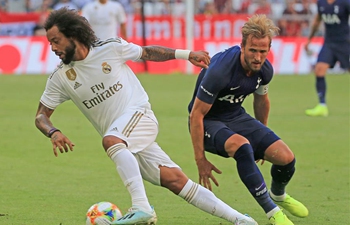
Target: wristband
(182, 54)
(52, 131)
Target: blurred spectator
(40, 5)
(39, 29)
(166, 8)
(245, 6)
(220, 4)
(17, 6)
(228, 8)
(263, 7)
(209, 8)
(2, 5)
(128, 6)
(105, 18)
(305, 15)
(80, 3)
(289, 23)
(65, 3)
(44, 11)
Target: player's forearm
(42, 120)
(314, 27)
(161, 53)
(43, 124)
(123, 31)
(157, 53)
(261, 111)
(197, 136)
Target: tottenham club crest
(71, 74)
(106, 68)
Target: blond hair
(259, 26)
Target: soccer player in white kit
(93, 75)
(105, 18)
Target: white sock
(277, 198)
(129, 172)
(205, 200)
(272, 212)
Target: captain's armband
(262, 90)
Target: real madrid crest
(106, 68)
(71, 74)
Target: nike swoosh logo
(259, 187)
(234, 88)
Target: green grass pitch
(38, 188)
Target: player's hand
(262, 161)
(307, 50)
(199, 58)
(61, 142)
(205, 174)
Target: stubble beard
(70, 51)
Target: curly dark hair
(72, 25)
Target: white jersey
(102, 86)
(105, 19)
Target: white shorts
(139, 129)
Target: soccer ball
(102, 213)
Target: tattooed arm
(44, 124)
(161, 54)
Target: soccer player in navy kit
(220, 125)
(336, 47)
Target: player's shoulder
(233, 50)
(108, 42)
(267, 71)
(57, 71)
(227, 55)
(114, 4)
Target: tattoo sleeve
(42, 119)
(157, 53)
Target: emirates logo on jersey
(71, 74)
(106, 68)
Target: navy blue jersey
(225, 84)
(336, 19)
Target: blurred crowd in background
(292, 16)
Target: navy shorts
(217, 132)
(331, 53)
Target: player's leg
(127, 135)
(239, 148)
(282, 171)
(129, 172)
(259, 137)
(326, 59)
(157, 168)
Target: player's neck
(81, 52)
(330, 1)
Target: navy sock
(321, 89)
(251, 177)
(281, 175)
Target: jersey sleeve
(267, 73)
(54, 93)
(127, 50)
(215, 79)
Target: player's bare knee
(110, 140)
(234, 143)
(279, 156)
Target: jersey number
(232, 99)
